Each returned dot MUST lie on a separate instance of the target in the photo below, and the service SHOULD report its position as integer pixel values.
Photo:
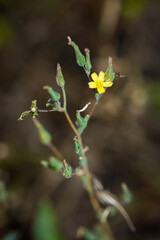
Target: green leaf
(79, 56)
(110, 75)
(88, 64)
(24, 114)
(126, 194)
(46, 224)
(66, 170)
(81, 122)
(33, 110)
(59, 76)
(53, 163)
(45, 136)
(78, 147)
(3, 191)
(54, 95)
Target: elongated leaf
(79, 56)
(110, 75)
(46, 225)
(54, 95)
(88, 64)
(45, 136)
(59, 76)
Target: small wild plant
(97, 194)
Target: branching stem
(56, 152)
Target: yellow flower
(99, 82)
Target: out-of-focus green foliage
(96, 234)
(6, 32)
(154, 96)
(45, 136)
(133, 8)
(46, 225)
(12, 236)
(126, 194)
(53, 163)
(3, 191)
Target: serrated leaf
(79, 56)
(45, 136)
(54, 95)
(59, 77)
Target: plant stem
(93, 199)
(73, 127)
(92, 109)
(56, 152)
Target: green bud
(110, 75)
(126, 193)
(59, 77)
(88, 64)
(34, 109)
(54, 95)
(53, 163)
(78, 147)
(79, 56)
(45, 136)
(66, 170)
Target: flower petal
(94, 76)
(92, 85)
(107, 84)
(100, 89)
(101, 76)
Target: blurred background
(123, 134)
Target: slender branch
(92, 109)
(56, 152)
(73, 127)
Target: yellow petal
(92, 85)
(100, 89)
(101, 76)
(94, 76)
(107, 84)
